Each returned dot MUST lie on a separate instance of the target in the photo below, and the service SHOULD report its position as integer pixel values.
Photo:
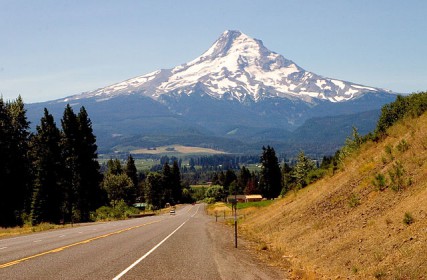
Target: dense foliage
(164, 187)
(51, 175)
(413, 105)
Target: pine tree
(131, 170)
(243, 179)
(7, 207)
(114, 166)
(70, 144)
(89, 190)
(16, 171)
(176, 183)
(287, 179)
(167, 183)
(153, 190)
(132, 173)
(301, 169)
(271, 178)
(48, 172)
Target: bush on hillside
(413, 105)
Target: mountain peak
(239, 67)
(227, 40)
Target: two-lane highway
(179, 246)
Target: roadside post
(234, 206)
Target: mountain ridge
(235, 85)
(241, 67)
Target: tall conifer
(271, 179)
(70, 144)
(7, 208)
(176, 182)
(89, 189)
(48, 172)
(16, 177)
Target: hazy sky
(53, 49)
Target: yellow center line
(72, 245)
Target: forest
(53, 174)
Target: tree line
(274, 179)
(51, 175)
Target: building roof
(249, 196)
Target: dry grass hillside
(350, 225)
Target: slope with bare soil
(367, 221)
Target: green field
(176, 150)
(257, 204)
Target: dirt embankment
(350, 225)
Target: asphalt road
(187, 245)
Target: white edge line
(147, 254)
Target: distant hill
(367, 221)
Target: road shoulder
(240, 262)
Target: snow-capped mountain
(237, 96)
(236, 67)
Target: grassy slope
(317, 234)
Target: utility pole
(235, 218)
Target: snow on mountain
(238, 67)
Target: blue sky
(53, 49)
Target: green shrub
(403, 146)
(119, 211)
(353, 200)
(397, 177)
(389, 151)
(380, 182)
(413, 105)
(209, 200)
(379, 274)
(408, 219)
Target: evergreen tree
(167, 182)
(132, 173)
(221, 178)
(7, 192)
(301, 169)
(271, 178)
(243, 179)
(15, 164)
(70, 144)
(251, 186)
(153, 190)
(215, 179)
(83, 192)
(230, 177)
(131, 170)
(47, 164)
(114, 166)
(287, 179)
(21, 162)
(89, 191)
(176, 182)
